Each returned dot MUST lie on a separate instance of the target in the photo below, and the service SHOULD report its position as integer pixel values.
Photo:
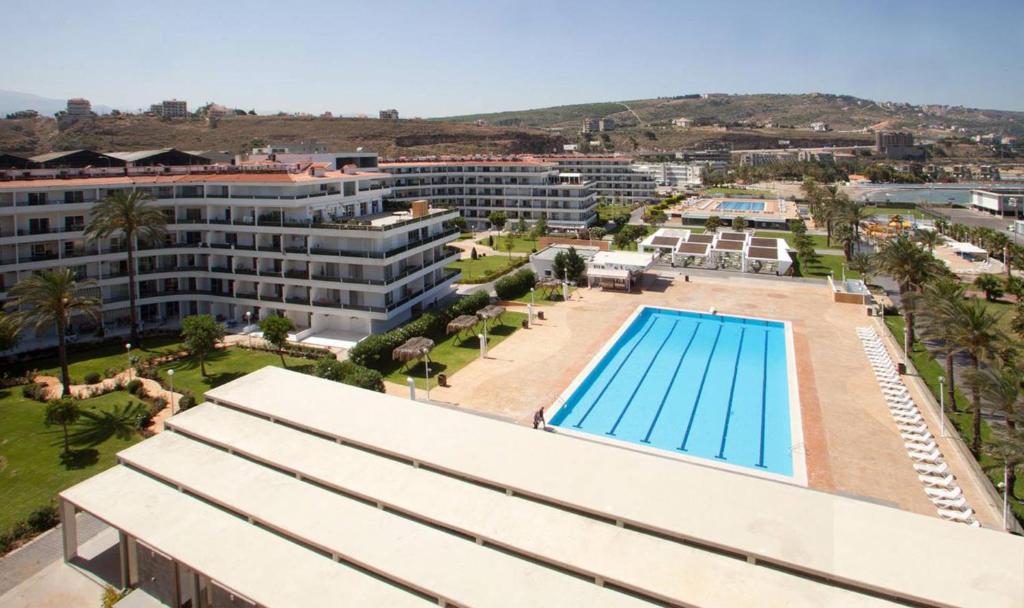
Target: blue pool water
(740, 206)
(710, 386)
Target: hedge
(515, 285)
(350, 373)
(374, 351)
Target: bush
(93, 378)
(375, 351)
(186, 401)
(43, 518)
(515, 285)
(134, 387)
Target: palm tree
(999, 383)
(864, 264)
(976, 332)
(129, 214)
(928, 238)
(853, 214)
(844, 234)
(1007, 444)
(942, 299)
(49, 299)
(911, 267)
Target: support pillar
(125, 561)
(69, 529)
(412, 387)
(483, 346)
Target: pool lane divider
(640, 382)
(764, 399)
(732, 392)
(700, 389)
(675, 374)
(593, 404)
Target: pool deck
(851, 442)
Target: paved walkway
(27, 561)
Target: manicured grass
(453, 353)
(929, 369)
(520, 244)
(820, 240)
(224, 366)
(472, 269)
(827, 264)
(85, 359)
(895, 211)
(539, 300)
(736, 191)
(31, 470)
(1007, 311)
(605, 213)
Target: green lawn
(452, 354)
(736, 191)
(820, 240)
(542, 301)
(1007, 310)
(605, 213)
(930, 370)
(472, 269)
(827, 264)
(31, 471)
(86, 359)
(520, 244)
(224, 366)
(895, 211)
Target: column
(69, 529)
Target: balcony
(296, 274)
(297, 300)
(272, 298)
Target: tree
(991, 285)
(976, 333)
(473, 254)
(509, 244)
(1007, 444)
(569, 264)
(10, 332)
(911, 267)
(459, 222)
(1017, 323)
(497, 219)
(929, 238)
(656, 217)
(739, 223)
(627, 237)
(845, 235)
(712, 224)
(129, 214)
(520, 227)
(48, 299)
(201, 333)
(864, 264)
(539, 229)
(942, 299)
(275, 331)
(63, 413)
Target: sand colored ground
(852, 444)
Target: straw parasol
(550, 285)
(461, 324)
(487, 313)
(413, 349)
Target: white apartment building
(79, 107)
(678, 175)
(306, 241)
(526, 189)
(614, 177)
(173, 108)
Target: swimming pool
(740, 206)
(708, 386)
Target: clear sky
(441, 57)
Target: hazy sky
(439, 57)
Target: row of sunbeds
(939, 482)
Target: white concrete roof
(608, 273)
(630, 259)
(861, 543)
(666, 570)
(960, 247)
(251, 562)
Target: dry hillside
(239, 133)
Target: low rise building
(682, 122)
(79, 107)
(758, 159)
(309, 241)
(543, 262)
(391, 114)
(999, 201)
(173, 108)
(590, 125)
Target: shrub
(33, 391)
(93, 378)
(357, 375)
(134, 387)
(186, 401)
(515, 285)
(43, 518)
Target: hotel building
(526, 189)
(310, 241)
(614, 177)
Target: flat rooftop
(378, 500)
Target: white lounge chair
(914, 428)
(951, 494)
(938, 482)
(957, 503)
(966, 516)
(930, 456)
(924, 435)
(931, 469)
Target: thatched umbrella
(550, 285)
(461, 324)
(490, 312)
(413, 349)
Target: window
(74, 196)
(36, 198)
(38, 225)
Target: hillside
(841, 112)
(239, 133)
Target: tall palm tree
(942, 298)
(129, 214)
(999, 383)
(928, 238)
(48, 299)
(1008, 444)
(864, 264)
(847, 237)
(911, 267)
(976, 332)
(853, 214)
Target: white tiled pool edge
(797, 451)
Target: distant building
(606, 124)
(22, 114)
(999, 201)
(678, 175)
(686, 123)
(480, 122)
(391, 114)
(819, 126)
(301, 147)
(591, 125)
(897, 145)
(79, 107)
(717, 155)
(815, 156)
(759, 159)
(172, 108)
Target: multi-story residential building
(173, 108)
(678, 175)
(526, 189)
(758, 159)
(606, 124)
(590, 125)
(79, 107)
(613, 177)
(305, 240)
(391, 114)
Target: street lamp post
(128, 352)
(426, 374)
(170, 376)
(942, 406)
(1006, 494)
(248, 331)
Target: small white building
(543, 262)
(618, 269)
(685, 123)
